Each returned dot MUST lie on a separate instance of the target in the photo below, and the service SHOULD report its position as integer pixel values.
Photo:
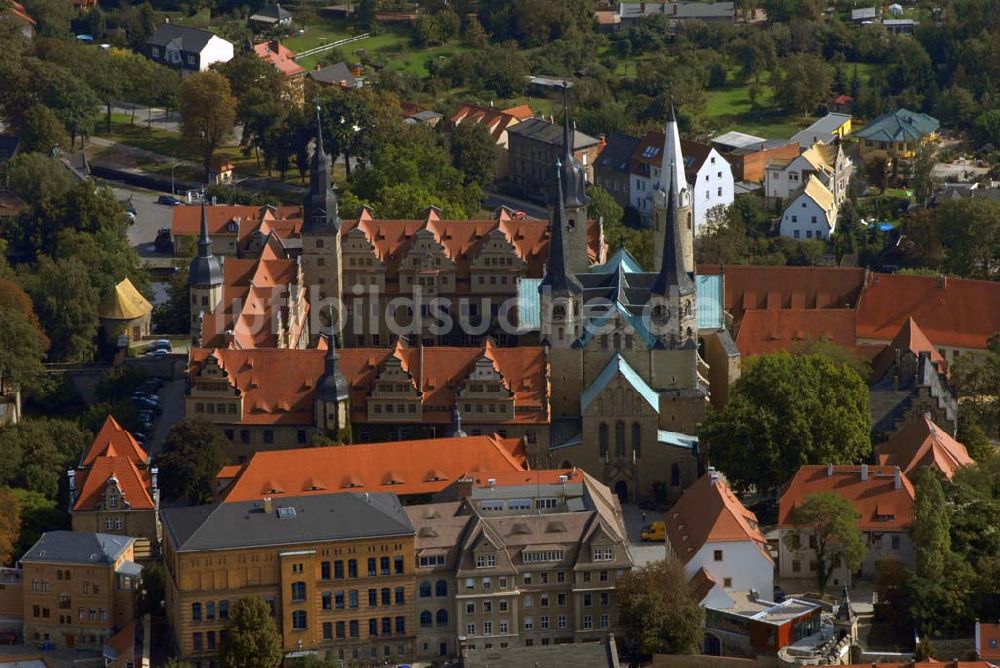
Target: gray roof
(899, 125)
(77, 547)
(541, 130)
(618, 153)
(271, 12)
(334, 74)
(580, 655)
(864, 13)
(292, 520)
(822, 130)
(683, 9)
(188, 39)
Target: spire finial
(319, 131)
(331, 339)
(204, 243)
(567, 137)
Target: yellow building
(336, 569)
(125, 311)
(899, 133)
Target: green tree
(39, 514)
(931, 528)
(208, 113)
(194, 451)
(805, 83)
(66, 304)
(659, 612)
(831, 523)
(23, 343)
(174, 315)
(474, 153)
(36, 452)
(35, 177)
(10, 526)
(252, 640)
(42, 131)
(977, 378)
(876, 166)
(785, 411)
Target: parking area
(150, 218)
(642, 553)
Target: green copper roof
(709, 297)
(620, 257)
(677, 439)
(617, 366)
(529, 308)
(900, 125)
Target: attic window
(555, 527)
(286, 512)
(427, 532)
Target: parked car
(654, 533)
(8, 638)
(169, 200)
(163, 243)
(160, 344)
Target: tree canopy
(659, 613)
(194, 451)
(831, 523)
(252, 640)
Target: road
(172, 402)
(642, 553)
(150, 217)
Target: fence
(331, 45)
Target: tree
(23, 343)
(194, 451)
(208, 112)
(66, 303)
(474, 153)
(831, 523)
(805, 83)
(252, 640)
(785, 411)
(659, 612)
(877, 169)
(39, 514)
(977, 378)
(174, 315)
(35, 177)
(42, 131)
(10, 526)
(931, 528)
(35, 453)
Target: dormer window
(486, 561)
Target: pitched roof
(113, 440)
(19, 12)
(702, 584)
(951, 311)
(874, 498)
(135, 483)
(823, 129)
(615, 367)
(541, 130)
(617, 154)
(496, 121)
(291, 520)
(822, 156)
(124, 303)
(338, 73)
(402, 467)
(897, 126)
(923, 443)
(820, 194)
(767, 331)
(187, 39)
(77, 547)
(709, 512)
(237, 219)
(280, 56)
(909, 339)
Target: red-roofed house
(237, 230)
(17, 14)
(988, 641)
(923, 443)
(114, 491)
(404, 468)
(883, 498)
(282, 58)
(764, 331)
(709, 530)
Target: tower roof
(672, 168)
(574, 176)
(205, 269)
(672, 273)
(320, 207)
(332, 384)
(557, 279)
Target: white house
(827, 162)
(189, 49)
(707, 174)
(719, 542)
(812, 213)
(883, 498)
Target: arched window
(425, 589)
(442, 617)
(441, 588)
(620, 439)
(299, 620)
(603, 438)
(618, 341)
(675, 475)
(636, 440)
(425, 618)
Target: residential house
(899, 133)
(677, 10)
(833, 126)
(337, 75)
(336, 569)
(988, 641)
(881, 495)
(271, 16)
(496, 122)
(827, 162)
(414, 114)
(611, 171)
(842, 104)
(923, 443)
(84, 589)
(236, 230)
(125, 312)
(811, 213)
(17, 15)
(864, 15)
(535, 145)
(283, 59)
(716, 537)
(114, 490)
(899, 26)
(394, 393)
(189, 49)
(748, 156)
(412, 470)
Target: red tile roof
(285, 221)
(113, 440)
(909, 339)
(988, 640)
(280, 56)
(876, 496)
(496, 121)
(843, 99)
(765, 331)
(135, 483)
(402, 467)
(951, 311)
(535, 477)
(287, 395)
(18, 10)
(923, 443)
(709, 512)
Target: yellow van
(654, 533)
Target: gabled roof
(909, 339)
(709, 512)
(285, 221)
(881, 505)
(18, 11)
(541, 130)
(401, 467)
(822, 156)
(923, 443)
(768, 331)
(77, 547)
(617, 155)
(335, 74)
(618, 366)
(280, 56)
(897, 126)
(273, 12)
(135, 484)
(124, 303)
(187, 39)
(820, 194)
(496, 121)
(113, 440)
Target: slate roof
(77, 547)
(616, 155)
(188, 39)
(334, 74)
(271, 13)
(316, 518)
(898, 126)
(541, 130)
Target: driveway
(172, 403)
(642, 553)
(150, 218)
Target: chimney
(829, 470)
(897, 479)
(942, 281)
(463, 487)
(491, 482)
(273, 45)
(71, 474)
(268, 506)
(713, 475)
(153, 474)
(864, 471)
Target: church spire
(204, 243)
(672, 167)
(456, 423)
(574, 176)
(320, 206)
(205, 269)
(332, 385)
(557, 279)
(672, 272)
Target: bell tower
(333, 401)
(321, 258)
(672, 172)
(574, 198)
(204, 280)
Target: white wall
(798, 218)
(782, 182)
(217, 50)
(879, 545)
(714, 187)
(742, 561)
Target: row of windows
(209, 609)
(603, 437)
(338, 600)
(216, 408)
(386, 626)
(376, 566)
(604, 621)
(599, 554)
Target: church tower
(560, 291)
(575, 200)
(204, 280)
(333, 401)
(321, 261)
(672, 295)
(672, 172)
